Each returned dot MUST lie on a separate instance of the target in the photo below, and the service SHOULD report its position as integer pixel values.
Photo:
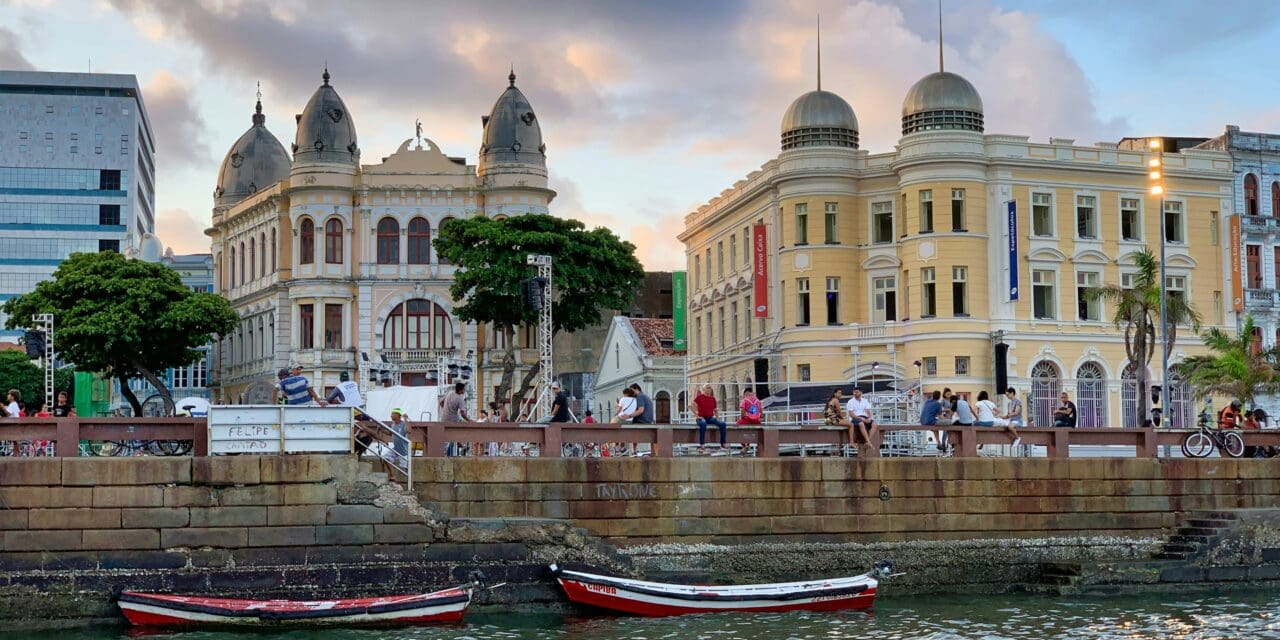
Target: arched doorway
(662, 407)
(1091, 396)
(1046, 384)
(682, 401)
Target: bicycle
(1201, 442)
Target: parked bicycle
(1201, 442)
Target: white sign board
(274, 429)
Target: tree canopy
(127, 318)
(592, 270)
(1236, 366)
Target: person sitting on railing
(1014, 415)
(987, 417)
(859, 410)
(1229, 417)
(833, 416)
(750, 410)
(1065, 414)
(705, 404)
(932, 409)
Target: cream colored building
(328, 260)
(878, 261)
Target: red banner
(760, 267)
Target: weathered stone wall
(72, 530)
(841, 500)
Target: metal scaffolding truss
(542, 406)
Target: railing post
(67, 444)
(768, 442)
(435, 440)
(200, 439)
(968, 442)
(663, 442)
(552, 441)
(1147, 447)
(1059, 444)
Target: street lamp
(1155, 176)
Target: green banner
(679, 306)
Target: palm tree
(1236, 368)
(1138, 312)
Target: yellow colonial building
(920, 265)
(329, 262)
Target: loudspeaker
(34, 342)
(762, 377)
(1002, 368)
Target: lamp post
(1156, 179)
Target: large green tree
(1137, 311)
(127, 318)
(18, 372)
(592, 269)
(1236, 367)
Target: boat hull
(641, 598)
(160, 610)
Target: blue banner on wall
(1013, 250)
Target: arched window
(1275, 199)
(662, 402)
(273, 250)
(307, 242)
(388, 241)
(253, 259)
(1091, 396)
(419, 241)
(333, 241)
(418, 324)
(242, 272)
(1046, 384)
(262, 340)
(1250, 195)
(439, 258)
(1255, 347)
(231, 282)
(262, 264)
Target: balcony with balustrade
(1267, 299)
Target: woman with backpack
(751, 410)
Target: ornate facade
(330, 262)
(907, 267)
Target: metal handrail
(401, 463)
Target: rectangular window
(833, 300)
(1042, 215)
(1086, 217)
(1276, 266)
(885, 307)
(733, 321)
(802, 302)
(957, 210)
(746, 247)
(746, 310)
(1213, 227)
(333, 326)
(109, 214)
(733, 252)
(708, 263)
(109, 245)
(720, 260)
(802, 224)
(962, 365)
(306, 326)
(803, 372)
(721, 326)
(1127, 280)
(1130, 219)
(882, 222)
(926, 211)
(1173, 222)
(1176, 288)
(1089, 308)
(928, 292)
(109, 180)
(959, 291)
(930, 365)
(1042, 295)
(829, 223)
(697, 270)
(1217, 307)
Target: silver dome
(256, 161)
(511, 131)
(325, 130)
(942, 100)
(819, 118)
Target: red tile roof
(652, 332)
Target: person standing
(295, 389)
(750, 410)
(705, 405)
(1065, 414)
(455, 404)
(13, 403)
(643, 413)
(560, 405)
(401, 428)
(63, 407)
(347, 393)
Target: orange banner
(1237, 285)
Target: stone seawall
(840, 500)
(74, 529)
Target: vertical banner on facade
(1013, 250)
(760, 269)
(1237, 285)
(679, 306)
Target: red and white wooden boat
(159, 610)
(638, 597)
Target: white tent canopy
(419, 403)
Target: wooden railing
(67, 433)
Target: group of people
(14, 407)
(943, 408)
(706, 408)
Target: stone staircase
(1198, 533)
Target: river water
(1196, 616)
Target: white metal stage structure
(542, 303)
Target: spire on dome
(258, 118)
(326, 74)
(512, 77)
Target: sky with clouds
(648, 108)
